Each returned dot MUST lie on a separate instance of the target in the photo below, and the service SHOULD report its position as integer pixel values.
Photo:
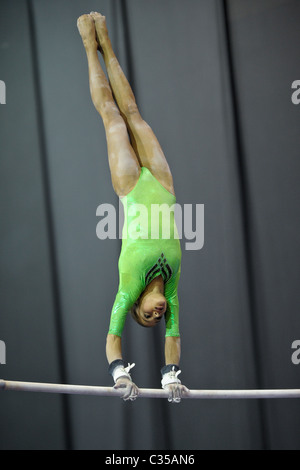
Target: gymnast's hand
(176, 391)
(172, 384)
(131, 391)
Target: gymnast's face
(151, 309)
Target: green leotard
(150, 247)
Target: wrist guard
(117, 369)
(170, 375)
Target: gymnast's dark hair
(135, 315)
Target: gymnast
(149, 266)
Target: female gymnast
(149, 263)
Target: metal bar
(8, 385)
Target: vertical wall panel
(27, 311)
(182, 88)
(264, 35)
(80, 181)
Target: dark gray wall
(265, 65)
(213, 79)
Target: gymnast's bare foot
(101, 29)
(86, 28)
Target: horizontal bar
(7, 385)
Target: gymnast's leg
(144, 142)
(124, 165)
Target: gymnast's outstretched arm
(113, 348)
(172, 350)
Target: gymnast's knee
(131, 111)
(111, 116)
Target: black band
(114, 364)
(168, 368)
